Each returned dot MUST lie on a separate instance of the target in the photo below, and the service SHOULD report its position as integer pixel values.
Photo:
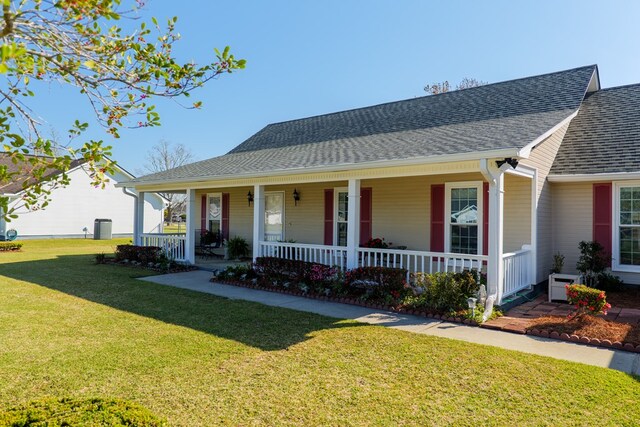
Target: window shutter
(328, 216)
(485, 218)
(225, 216)
(203, 213)
(602, 229)
(437, 218)
(365, 215)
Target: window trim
(283, 238)
(448, 186)
(336, 198)
(615, 229)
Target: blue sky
(314, 57)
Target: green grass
(175, 228)
(69, 328)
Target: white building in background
(75, 207)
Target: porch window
(628, 225)
(274, 216)
(215, 213)
(464, 218)
(341, 216)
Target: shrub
(76, 412)
(445, 292)
(10, 246)
(101, 258)
(593, 261)
(280, 270)
(141, 254)
(609, 282)
(586, 301)
(237, 247)
(237, 272)
(376, 282)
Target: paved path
(608, 358)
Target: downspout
(126, 191)
(491, 178)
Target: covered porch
(434, 218)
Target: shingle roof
(605, 135)
(23, 178)
(497, 116)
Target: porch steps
(519, 298)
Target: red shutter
(328, 216)
(203, 213)
(485, 218)
(437, 218)
(602, 200)
(225, 216)
(366, 222)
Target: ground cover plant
(71, 328)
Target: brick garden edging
(350, 301)
(627, 346)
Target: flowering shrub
(377, 243)
(586, 301)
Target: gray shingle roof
(605, 135)
(497, 116)
(23, 177)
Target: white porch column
(495, 267)
(138, 223)
(353, 223)
(190, 242)
(258, 219)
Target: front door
(274, 216)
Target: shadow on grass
(253, 324)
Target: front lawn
(69, 328)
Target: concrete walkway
(608, 358)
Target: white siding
(77, 206)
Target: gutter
(491, 298)
(591, 177)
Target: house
(76, 206)
(497, 177)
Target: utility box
(102, 229)
(557, 284)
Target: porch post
(258, 219)
(353, 223)
(495, 267)
(138, 224)
(190, 243)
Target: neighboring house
(475, 178)
(76, 206)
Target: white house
(497, 178)
(76, 206)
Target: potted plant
(237, 247)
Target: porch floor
(213, 263)
(517, 319)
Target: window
(463, 233)
(274, 216)
(214, 222)
(341, 216)
(627, 227)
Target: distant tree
(164, 156)
(79, 44)
(444, 86)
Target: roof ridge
(428, 96)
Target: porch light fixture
(471, 302)
(509, 161)
(296, 196)
(249, 197)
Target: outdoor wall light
(509, 161)
(296, 196)
(249, 197)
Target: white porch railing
(173, 245)
(517, 270)
(419, 261)
(321, 254)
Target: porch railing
(172, 245)
(322, 254)
(419, 261)
(517, 270)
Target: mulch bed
(588, 330)
(627, 298)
